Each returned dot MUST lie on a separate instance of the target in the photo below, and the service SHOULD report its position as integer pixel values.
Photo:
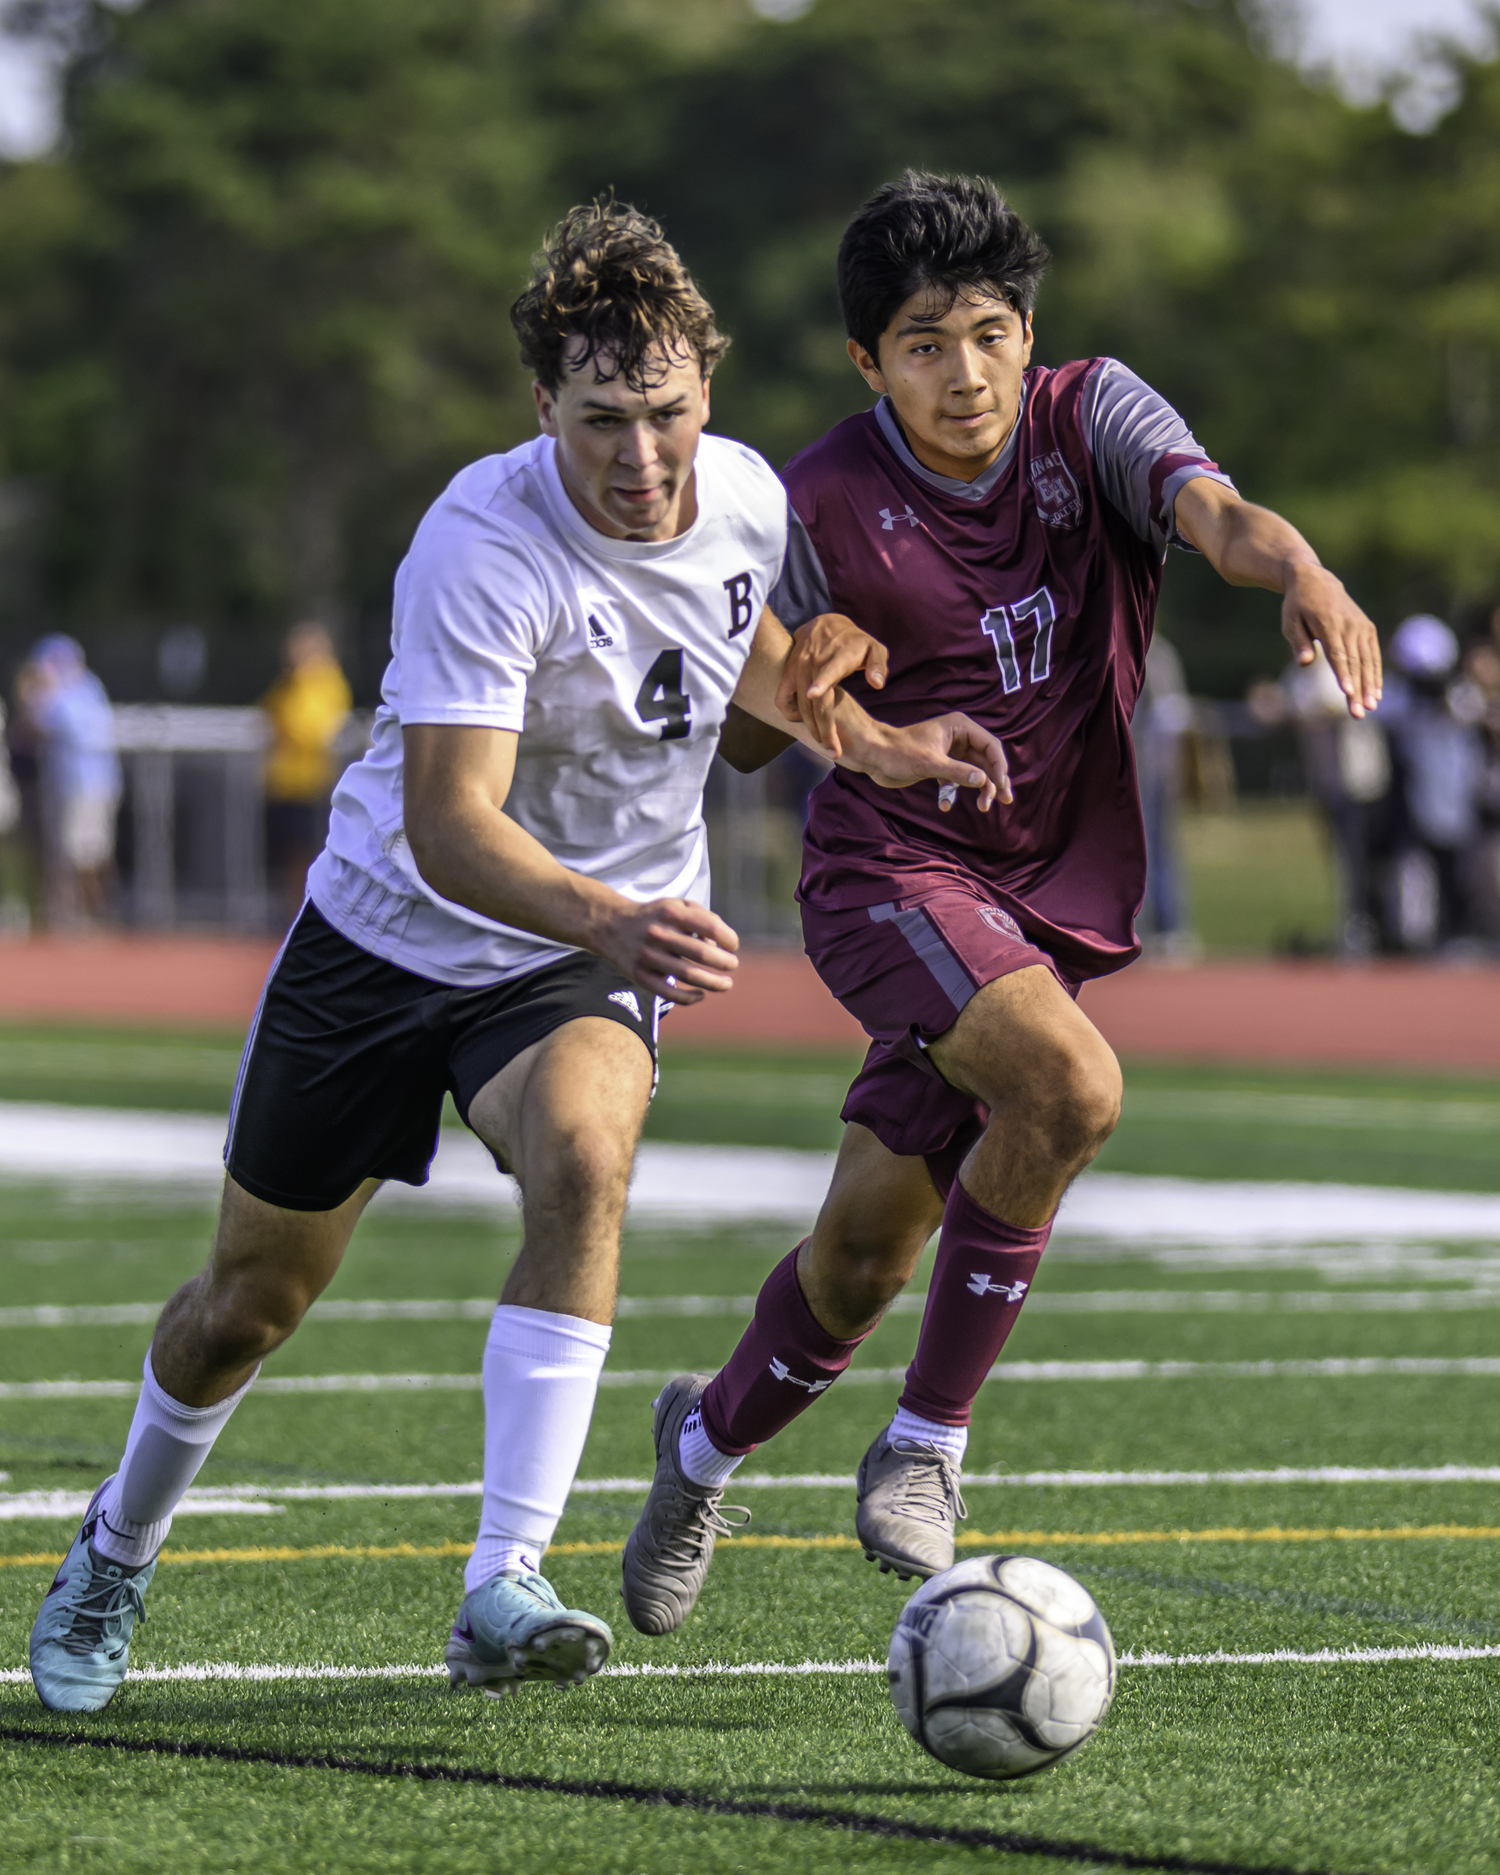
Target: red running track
(1402, 1014)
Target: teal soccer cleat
(513, 1628)
(80, 1645)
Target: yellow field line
(970, 1539)
(320, 1552)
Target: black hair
(608, 275)
(953, 234)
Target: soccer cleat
(80, 1643)
(669, 1550)
(513, 1628)
(908, 1502)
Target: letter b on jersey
(740, 608)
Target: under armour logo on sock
(982, 1285)
(783, 1372)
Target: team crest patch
(627, 1000)
(1058, 502)
(1002, 921)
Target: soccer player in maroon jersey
(1000, 530)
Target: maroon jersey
(1024, 599)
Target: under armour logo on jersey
(982, 1285)
(627, 1000)
(781, 1371)
(888, 520)
(598, 636)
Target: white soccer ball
(1001, 1665)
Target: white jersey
(614, 660)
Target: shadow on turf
(664, 1796)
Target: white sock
(165, 1451)
(701, 1460)
(541, 1372)
(954, 1440)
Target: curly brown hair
(608, 275)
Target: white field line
(1353, 1368)
(215, 1671)
(259, 1500)
(69, 1506)
(629, 1308)
(693, 1185)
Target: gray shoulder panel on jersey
(802, 591)
(1130, 428)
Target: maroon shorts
(906, 970)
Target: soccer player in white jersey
(514, 890)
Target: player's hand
(826, 650)
(1317, 611)
(951, 750)
(673, 948)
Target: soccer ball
(1001, 1665)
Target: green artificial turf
(1341, 1767)
(1188, 1119)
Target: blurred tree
(1168, 163)
(262, 292)
(253, 314)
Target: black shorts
(349, 1058)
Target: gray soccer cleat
(514, 1628)
(672, 1544)
(909, 1501)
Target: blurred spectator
(1431, 715)
(1481, 699)
(308, 705)
(80, 778)
(1163, 716)
(13, 910)
(1349, 774)
(24, 749)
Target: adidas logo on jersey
(982, 1285)
(888, 520)
(627, 1000)
(599, 638)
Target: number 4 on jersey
(662, 699)
(1001, 624)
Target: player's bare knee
(585, 1168)
(864, 1267)
(1086, 1106)
(243, 1321)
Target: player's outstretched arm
(825, 650)
(1250, 546)
(468, 849)
(951, 750)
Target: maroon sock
(983, 1271)
(783, 1362)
